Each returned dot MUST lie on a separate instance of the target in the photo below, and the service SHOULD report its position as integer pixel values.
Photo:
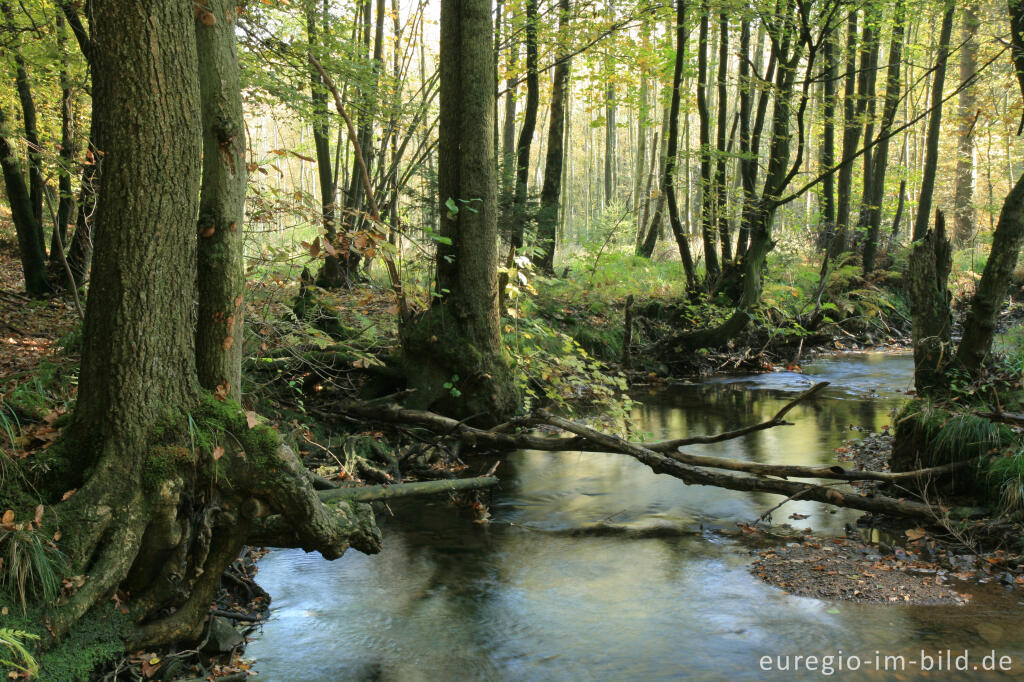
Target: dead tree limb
(834, 472)
(501, 439)
(662, 464)
(369, 493)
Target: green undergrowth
(930, 435)
(97, 639)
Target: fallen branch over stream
(371, 493)
(687, 473)
(664, 457)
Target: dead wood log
(687, 473)
(370, 493)
(1014, 418)
(833, 472)
(501, 439)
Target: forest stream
(592, 567)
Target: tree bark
(931, 160)
(458, 340)
(221, 266)
(880, 157)
(828, 145)
(29, 119)
(668, 187)
(963, 202)
(550, 197)
(720, 139)
(66, 159)
(851, 134)
(980, 324)
(927, 275)
(529, 127)
(30, 235)
(707, 191)
(332, 273)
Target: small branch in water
(369, 493)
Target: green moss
(96, 640)
(163, 462)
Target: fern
(20, 657)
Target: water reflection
(595, 568)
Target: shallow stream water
(595, 568)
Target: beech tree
(458, 341)
(169, 481)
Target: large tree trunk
(156, 513)
(221, 267)
(547, 221)
(880, 157)
(458, 340)
(963, 203)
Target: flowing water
(595, 568)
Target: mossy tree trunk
(926, 280)
(165, 498)
(457, 341)
(221, 270)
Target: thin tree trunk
(525, 143)
(873, 202)
(66, 156)
(851, 134)
(668, 180)
(30, 236)
(723, 104)
(931, 161)
(707, 193)
(550, 194)
(828, 147)
(963, 203)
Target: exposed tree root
(173, 538)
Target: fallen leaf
(8, 519)
(915, 533)
(218, 452)
(251, 419)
